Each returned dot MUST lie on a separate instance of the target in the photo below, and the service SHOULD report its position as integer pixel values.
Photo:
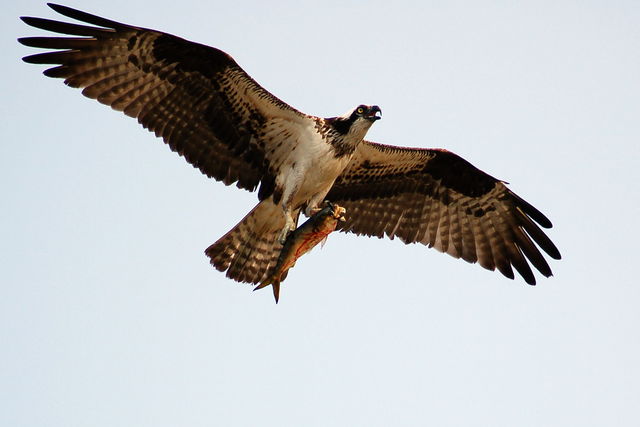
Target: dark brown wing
(195, 97)
(439, 199)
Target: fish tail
(273, 281)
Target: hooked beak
(374, 113)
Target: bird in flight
(210, 111)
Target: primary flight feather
(211, 112)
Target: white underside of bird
(307, 173)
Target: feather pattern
(250, 250)
(210, 111)
(195, 97)
(436, 198)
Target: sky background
(110, 314)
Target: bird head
(357, 122)
(367, 112)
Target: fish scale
(300, 241)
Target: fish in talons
(302, 240)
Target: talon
(282, 237)
(289, 226)
(338, 212)
(288, 229)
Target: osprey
(211, 112)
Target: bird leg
(314, 208)
(289, 226)
(309, 211)
(338, 211)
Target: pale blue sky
(110, 314)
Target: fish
(302, 240)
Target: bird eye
(360, 110)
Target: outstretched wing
(436, 198)
(197, 98)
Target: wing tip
(57, 7)
(532, 212)
(26, 41)
(31, 21)
(103, 24)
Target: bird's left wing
(436, 198)
(196, 97)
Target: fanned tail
(250, 249)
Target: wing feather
(437, 198)
(469, 252)
(483, 242)
(195, 97)
(455, 232)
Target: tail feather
(250, 250)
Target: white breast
(308, 167)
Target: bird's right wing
(197, 98)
